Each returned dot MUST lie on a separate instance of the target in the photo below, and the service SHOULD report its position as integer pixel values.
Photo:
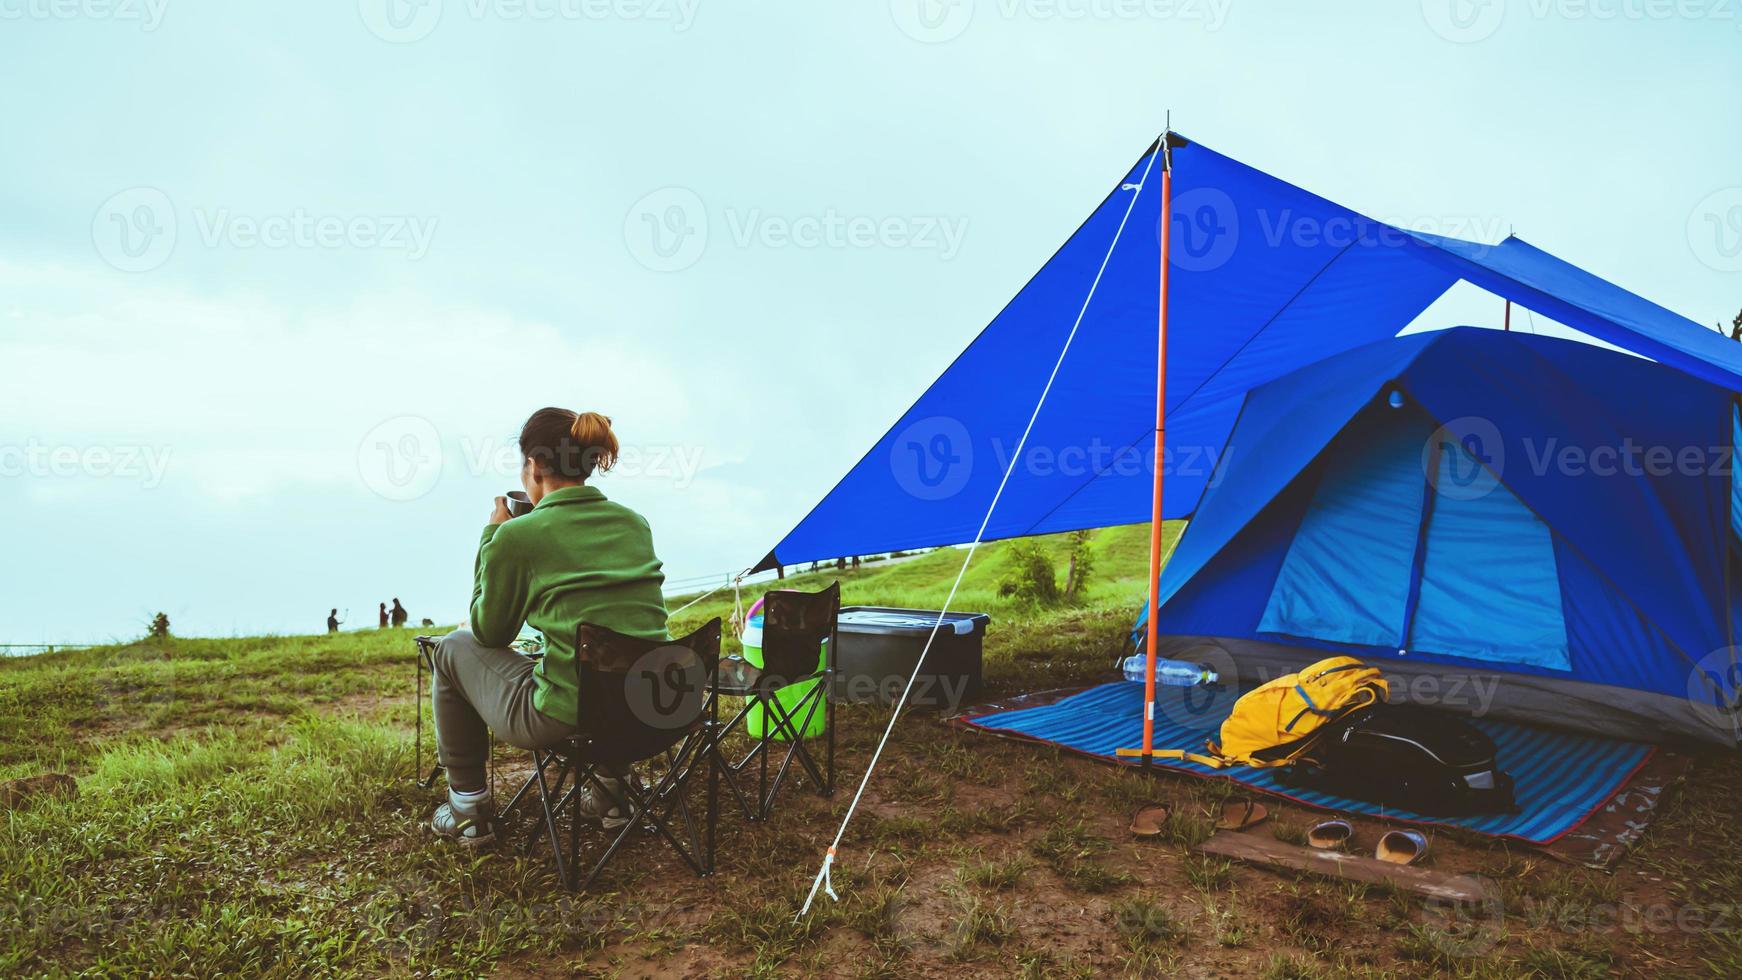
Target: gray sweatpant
(475, 690)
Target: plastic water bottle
(1174, 673)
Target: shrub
(1029, 578)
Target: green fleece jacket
(576, 558)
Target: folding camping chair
(639, 701)
(425, 658)
(795, 625)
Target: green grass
(244, 808)
(923, 581)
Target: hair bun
(598, 442)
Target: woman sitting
(575, 558)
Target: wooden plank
(1267, 851)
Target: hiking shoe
(609, 806)
(469, 830)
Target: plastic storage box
(880, 645)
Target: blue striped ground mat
(1561, 779)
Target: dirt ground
(977, 856)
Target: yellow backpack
(1272, 725)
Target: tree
(1082, 562)
(159, 628)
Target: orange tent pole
(1160, 452)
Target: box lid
(888, 620)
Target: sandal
(1147, 820)
(1401, 847)
(1243, 814)
(1331, 835)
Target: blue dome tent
(1540, 528)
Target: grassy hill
(922, 581)
(244, 806)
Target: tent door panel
(1490, 587)
(1347, 573)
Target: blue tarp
(1561, 778)
(1266, 278)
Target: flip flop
(1242, 814)
(1331, 835)
(1401, 847)
(1147, 820)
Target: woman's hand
(500, 515)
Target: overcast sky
(279, 281)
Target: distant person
(383, 615)
(333, 621)
(577, 557)
(399, 614)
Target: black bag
(1409, 757)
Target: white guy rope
(823, 877)
(704, 595)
